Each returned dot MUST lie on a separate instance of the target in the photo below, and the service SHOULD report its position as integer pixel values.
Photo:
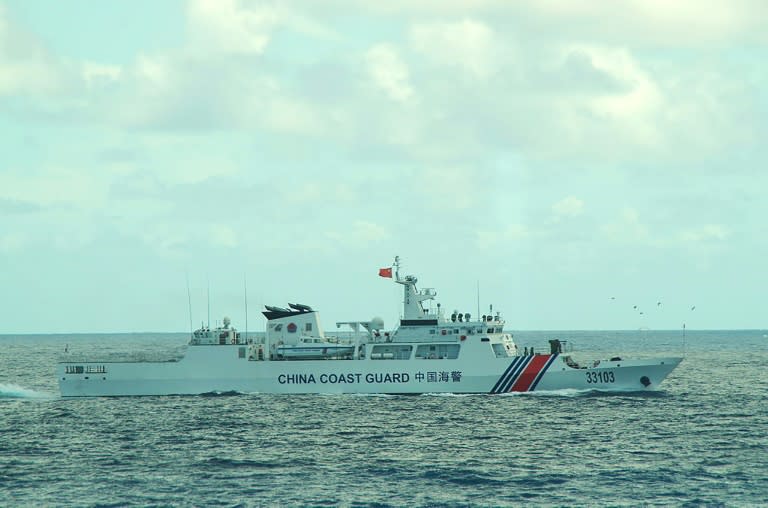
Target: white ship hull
(426, 353)
(207, 369)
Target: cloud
(12, 242)
(358, 235)
(69, 187)
(366, 232)
(26, 66)
(708, 232)
(569, 206)
(389, 72)
(599, 99)
(452, 188)
(15, 206)
(224, 236)
(229, 26)
(310, 192)
(99, 75)
(628, 228)
(468, 45)
(640, 95)
(511, 235)
(647, 23)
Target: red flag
(385, 272)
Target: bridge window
(391, 352)
(500, 351)
(438, 351)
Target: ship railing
(122, 358)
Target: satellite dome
(377, 323)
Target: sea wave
(566, 392)
(12, 391)
(448, 394)
(589, 392)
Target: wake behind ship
(428, 352)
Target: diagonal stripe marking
(515, 373)
(511, 366)
(543, 371)
(526, 378)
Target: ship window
(241, 352)
(438, 352)
(391, 352)
(278, 327)
(490, 330)
(500, 351)
(308, 327)
(432, 331)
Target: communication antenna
(693, 308)
(209, 303)
(245, 297)
(189, 302)
(683, 339)
(478, 298)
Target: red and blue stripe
(523, 374)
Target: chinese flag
(385, 272)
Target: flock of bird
(641, 312)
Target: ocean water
(702, 440)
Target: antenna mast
(478, 299)
(683, 339)
(245, 296)
(209, 304)
(189, 302)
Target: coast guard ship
(429, 352)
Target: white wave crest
(382, 395)
(449, 394)
(565, 392)
(11, 391)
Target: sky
(576, 164)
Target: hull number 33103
(600, 377)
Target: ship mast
(412, 298)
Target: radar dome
(377, 323)
(226, 322)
